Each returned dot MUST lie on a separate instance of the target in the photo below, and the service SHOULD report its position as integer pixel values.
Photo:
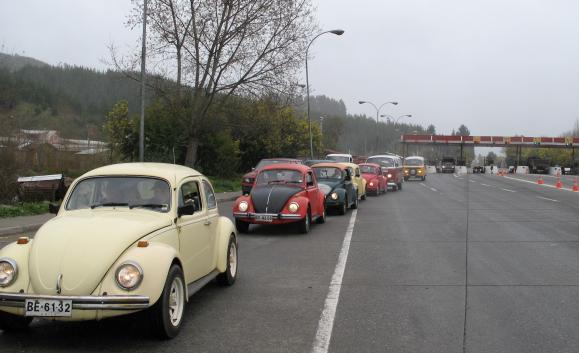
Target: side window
(309, 179)
(189, 195)
(209, 195)
(358, 172)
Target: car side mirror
(186, 210)
(53, 208)
(348, 177)
(310, 183)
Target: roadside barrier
(540, 181)
(575, 185)
(522, 169)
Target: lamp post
(398, 119)
(377, 108)
(337, 32)
(143, 77)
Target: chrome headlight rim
(389, 175)
(334, 195)
(243, 206)
(139, 280)
(295, 208)
(14, 266)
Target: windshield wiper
(148, 205)
(276, 181)
(108, 204)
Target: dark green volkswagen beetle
(335, 181)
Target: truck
(538, 165)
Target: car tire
(305, 224)
(343, 208)
(406, 178)
(228, 277)
(424, 178)
(242, 227)
(322, 219)
(363, 197)
(399, 187)
(355, 204)
(13, 323)
(168, 312)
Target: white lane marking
(455, 175)
(535, 183)
(485, 185)
(509, 190)
(428, 187)
(472, 181)
(326, 323)
(544, 198)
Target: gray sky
(498, 66)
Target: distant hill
(15, 62)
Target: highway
(472, 263)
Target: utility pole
(143, 56)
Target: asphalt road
(475, 263)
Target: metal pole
(143, 56)
(308, 99)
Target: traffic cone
(540, 181)
(575, 185)
(558, 184)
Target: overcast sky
(500, 67)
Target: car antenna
(174, 155)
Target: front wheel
(13, 323)
(228, 277)
(400, 186)
(424, 178)
(167, 313)
(322, 219)
(355, 204)
(363, 197)
(305, 223)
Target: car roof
(292, 166)
(340, 154)
(330, 165)
(393, 156)
(415, 157)
(282, 159)
(351, 165)
(170, 172)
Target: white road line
(326, 323)
(428, 187)
(472, 181)
(433, 189)
(509, 190)
(485, 185)
(535, 183)
(544, 198)
(455, 175)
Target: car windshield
(132, 192)
(413, 162)
(328, 173)
(367, 169)
(345, 159)
(383, 161)
(279, 176)
(266, 162)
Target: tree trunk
(191, 156)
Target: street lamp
(337, 32)
(377, 108)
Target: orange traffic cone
(575, 185)
(540, 181)
(558, 184)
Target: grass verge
(23, 209)
(226, 185)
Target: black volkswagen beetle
(335, 181)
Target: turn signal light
(142, 244)
(23, 241)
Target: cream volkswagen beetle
(127, 237)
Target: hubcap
(176, 301)
(233, 260)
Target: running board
(194, 287)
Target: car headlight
(419, 171)
(248, 180)
(243, 206)
(389, 175)
(129, 275)
(8, 272)
(371, 183)
(293, 207)
(334, 196)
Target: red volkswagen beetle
(376, 181)
(282, 193)
(392, 167)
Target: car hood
(328, 186)
(369, 177)
(272, 198)
(82, 246)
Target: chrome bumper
(109, 302)
(390, 183)
(272, 215)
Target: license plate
(264, 218)
(413, 172)
(48, 308)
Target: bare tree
(219, 48)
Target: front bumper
(108, 302)
(280, 216)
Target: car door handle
(207, 223)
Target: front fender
(155, 260)
(341, 195)
(225, 229)
(20, 254)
